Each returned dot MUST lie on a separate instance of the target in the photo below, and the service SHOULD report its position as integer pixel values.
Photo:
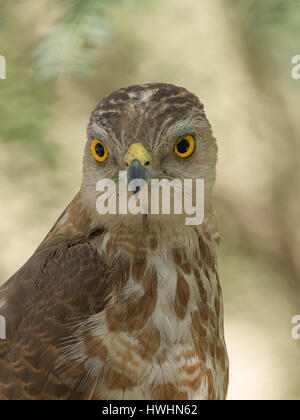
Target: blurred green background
(64, 55)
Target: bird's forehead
(145, 110)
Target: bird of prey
(124, 306)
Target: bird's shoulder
(71, 271)
(61, 284)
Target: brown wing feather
(56, 286)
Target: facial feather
(154, 115)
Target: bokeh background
(64, 55)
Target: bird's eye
(185, 146)
(99, 151)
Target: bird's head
(149, 132)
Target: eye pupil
(99, 150)
(183, 146)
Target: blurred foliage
(72, 45)
(267, 32)
(268, 39)
(25, 102)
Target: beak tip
(137, 171)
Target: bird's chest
(161, 333)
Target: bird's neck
(76, 223)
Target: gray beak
(137, 171)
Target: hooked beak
(137, 171)
(138, 161)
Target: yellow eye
(185, 146)
(99, 151)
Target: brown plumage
(123, 306)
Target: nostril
(147, 163)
